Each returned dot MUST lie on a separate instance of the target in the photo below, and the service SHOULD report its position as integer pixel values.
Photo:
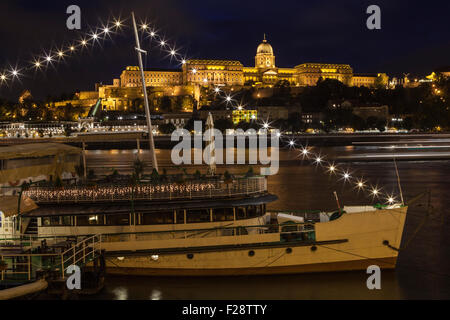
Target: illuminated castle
(195, 73)
(233, 73)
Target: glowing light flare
(194, 71)
(183, 61)
(162, 43)
(144, 26)
(346, 176)
(332, 168)
(390, 199)
(375, 192)
(152, 34)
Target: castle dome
(264, 47)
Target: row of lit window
(153, 218)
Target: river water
(423, 268)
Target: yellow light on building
(243, 115)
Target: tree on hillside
(166, 104)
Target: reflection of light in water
(121, 293)
(156, 295)
(113, 151)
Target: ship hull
(384, 263)
(352, 242)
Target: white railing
(169, 191)
(81, 253)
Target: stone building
(196, 73)
(233, 73)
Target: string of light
(344, 174)
(54, 56)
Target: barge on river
(210, 228)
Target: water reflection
(156, 295)
(121, 293)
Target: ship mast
(144, 89)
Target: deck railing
(81, 252)
(167, 191)
(23, 266)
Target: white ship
(203, 228)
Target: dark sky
(414, 37)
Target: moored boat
(214, 228)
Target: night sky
(414, 37)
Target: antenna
(337, 200)
(144, 89)
(398, 181)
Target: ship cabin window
(241, 213)
(179, 216)
(157, 218)
(223, 214)
(249, 212)
(57, 221)
(253, 211)
(118, 219)
(198, 215)
(90, 220)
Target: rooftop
(215, 62)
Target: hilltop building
(233, 73)
(126, 91)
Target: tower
(264, 55)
